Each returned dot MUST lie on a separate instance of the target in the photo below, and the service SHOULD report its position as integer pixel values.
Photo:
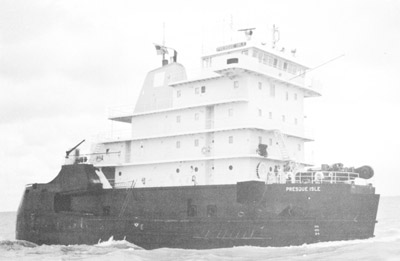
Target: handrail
(313, 177)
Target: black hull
(198, 217)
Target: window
(259, 112)
(285, 66)
(299, 147)
(283, 118)
(178, 119)
(270, 115)
(232, 60)
(178, 144)
(270, 141)
(295, 96)
(272, 90)
(245, 52)
(287, 96)
(196, 142)
(260, 85)
(230, 112)
(236, 84)
(178, 93)
(230, 139)
(295, 121)
(196, 116)
(197, 90)
(275, 62)
(230, 167)
(203, 89)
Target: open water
(384, 246)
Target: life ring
(319, 176)
(261, 170)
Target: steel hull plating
(248, 213)
(151, 234)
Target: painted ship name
(304, 189)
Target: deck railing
(313, 177)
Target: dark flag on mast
(161, 50)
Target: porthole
(230, 167)
(177, 170)
(120, 173)
(196, 169)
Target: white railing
(120, 111)
(313, 177)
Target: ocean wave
(120, 244)
(16, 244)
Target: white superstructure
(208, 130)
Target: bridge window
(203, 89)
(178, 93)
(230, 139)
(232, 60)
(178, 144)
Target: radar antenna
(248, 32)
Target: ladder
(128, 197)
(281, 144)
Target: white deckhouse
(241, 119)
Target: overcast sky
(63, 63)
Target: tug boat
(213, 161)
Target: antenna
(231, 26)
(248, 32)
(163, 44)
(163, 38)
(276, 35)
(322, 64)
